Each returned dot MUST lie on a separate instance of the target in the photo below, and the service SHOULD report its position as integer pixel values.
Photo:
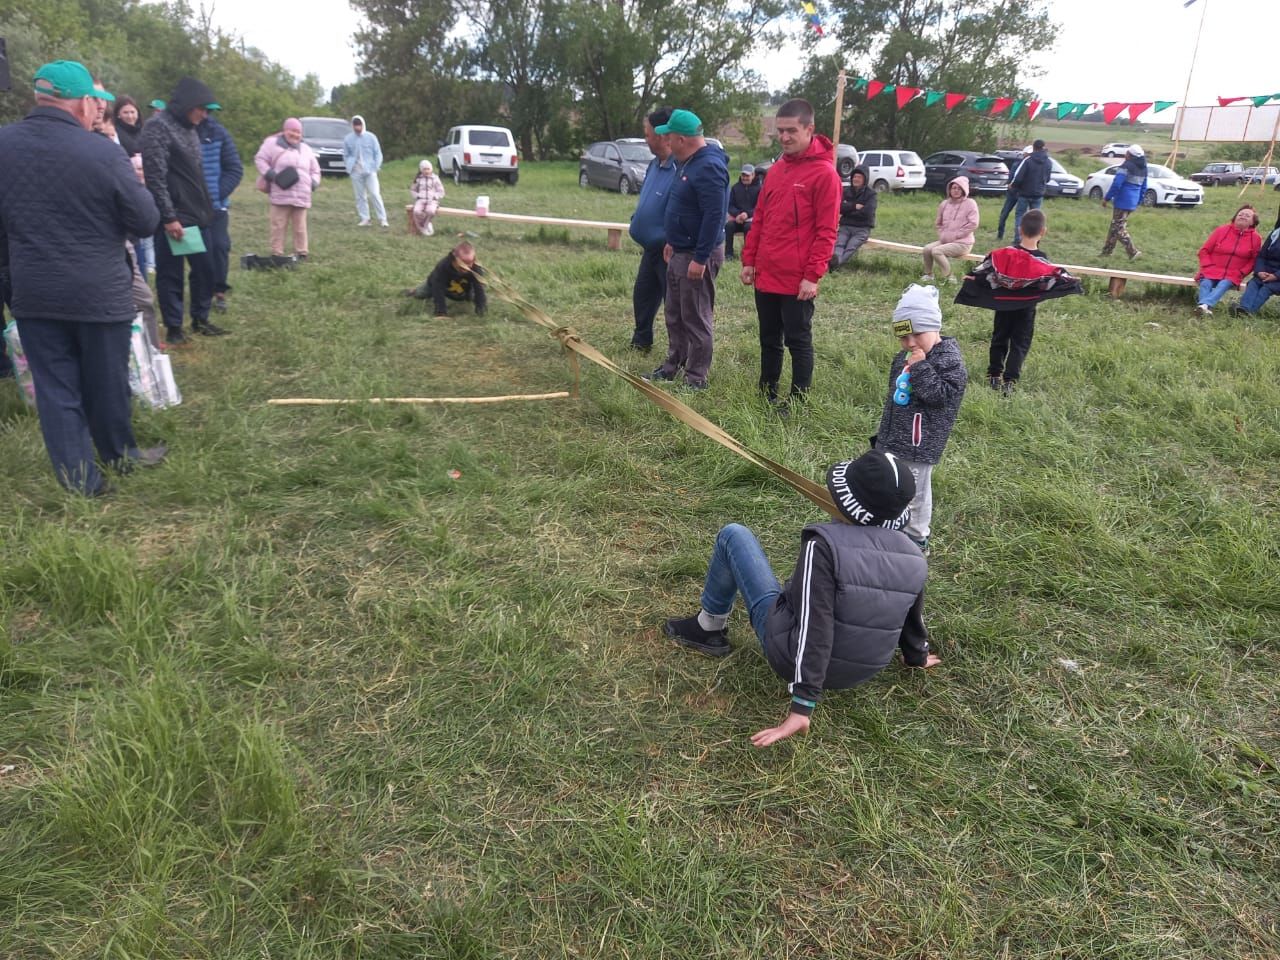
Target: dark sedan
(615, 165)
(986, 172)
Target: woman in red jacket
(1226, 258)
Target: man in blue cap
(67, 201)
(694, 224)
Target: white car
(893, 170)
(1164, 187)
(478, 152)
(1114, 150)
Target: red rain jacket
(1229, 253)
(794, 228)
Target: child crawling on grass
(856, 596)
(456, 277)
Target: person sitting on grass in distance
(856, 595)
(857, 218)
(456, 277)
(919, 415)
(1266, 276)
(1011, 281)
(1226, 258)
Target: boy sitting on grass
(456, 277)
(1011, 281)
(856, 595)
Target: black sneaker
(1008, 387)
(220, 302)
(689, 633)
(994, 383)
(174, 337)
(657, 376)
(640, 347)
(207, 329)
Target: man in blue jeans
(647, 230)
(1030, 181)
(857, 593)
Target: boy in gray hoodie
(920, 411)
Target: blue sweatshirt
(646, 222)
(699, 203)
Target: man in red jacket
(792, 235)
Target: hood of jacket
(860, 169)
(963, 181)
(819, 149)
(189, 93)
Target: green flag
(932, 96)
(1064, 108)
(1082, 109)
(1259, 101)
(1164, 104)
(859, 84)
(1016, 109)
(983, 104)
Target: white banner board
(1238, 123)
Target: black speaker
(5, 83)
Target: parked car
(893, 170)
(478, 152)
(1220, 173)
(615, 164)
(1061, 183)
(846, 160)
(1260, 175)
(1113, 150)
(324, 136)
(986, 172)
(1164, 187)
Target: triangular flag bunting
(1137, 109)
(931, 97)
(1001, 104)
(1228, 101)
(1259, 101)
(1111, 109)
(859, 84)
(1081, 109)
(1016, 109)
(1064, 108)
(889, 88)
(983, 104)
(1164, 104)
(954, 100)
(906, 95)
(1033, 108)
(873, 87)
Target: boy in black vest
(857, 593)
(456, 277)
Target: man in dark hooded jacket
(857, 218)
(1030, 181)
(171, 163)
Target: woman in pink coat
(289, 172)
(956, 221)
(427, 192)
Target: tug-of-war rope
(576, 347)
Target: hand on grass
(932, 660)
(795, 723)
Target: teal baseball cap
(103, 94)
(156, 104)
(683, 122)
(66, 79)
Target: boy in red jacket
(792, 235)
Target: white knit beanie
(917, 311)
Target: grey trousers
(690, 316)
(848, 241)
(922, 505)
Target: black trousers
(648, 295)
(171, 280)
(730, 229)
(1011, 342)
(785, 321)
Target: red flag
(906, 95)
(1032, 108)
(953, 99)
(1001, 105)
(874, 87)
(1111, 109)
(1227, 101)
(1137, 109)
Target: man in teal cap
(694, 227)
(67, 201)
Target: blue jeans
(218, 241)
(1024, 204)
(1010, 201)
(738, 565)
(1255, 295)
(1211, 291)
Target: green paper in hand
(192, 242)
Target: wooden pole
(1262, 180)
(835, 127)
(322, 402)
(1177, 130)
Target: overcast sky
(1106, 50)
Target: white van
(473, 152)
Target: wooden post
(615, 240)
(1262, 183)
(1177, 130)
(835, 127)
(1116, 287)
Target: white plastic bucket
(482, 205)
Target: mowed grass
(300, 693)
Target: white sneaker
(384, 224)
(926, 278)
(364, 223)
(431, 229)
(1203, 311)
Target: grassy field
(301, 693)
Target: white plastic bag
(19, 359)
(150, 371)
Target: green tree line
(142, 50)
